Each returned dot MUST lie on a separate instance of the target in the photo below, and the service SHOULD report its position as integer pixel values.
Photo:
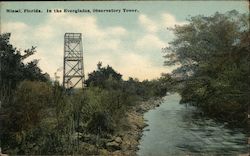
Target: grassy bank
(40, 117)
(44, 119)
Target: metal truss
(73, 69)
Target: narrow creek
(175, 130)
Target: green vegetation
(213, 55)
(40, 117)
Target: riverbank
(130, 139)
(125, 142)
(194, 135)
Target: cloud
(15, 26)
(155, 25)
(117, 31)
(147, 23)
(108, 44)
(170, 21)
(44, 32)
(150, 41)
(139, 66)
(18, 31)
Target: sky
(130, 42)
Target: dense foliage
(40, 117)
(99, 76)
(12, 68)
(213, 55)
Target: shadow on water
(179, 130)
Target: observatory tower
(73, 71)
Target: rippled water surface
(175, 130)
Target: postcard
(124, 78)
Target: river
(175, 130)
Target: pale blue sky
(129, 42)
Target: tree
(21, 101)
(213, 57)
(12, 68)
(99, 76)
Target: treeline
(39, 116)
(213, 54)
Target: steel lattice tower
(73, 71)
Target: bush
(101, 122)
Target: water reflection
(176, 130)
